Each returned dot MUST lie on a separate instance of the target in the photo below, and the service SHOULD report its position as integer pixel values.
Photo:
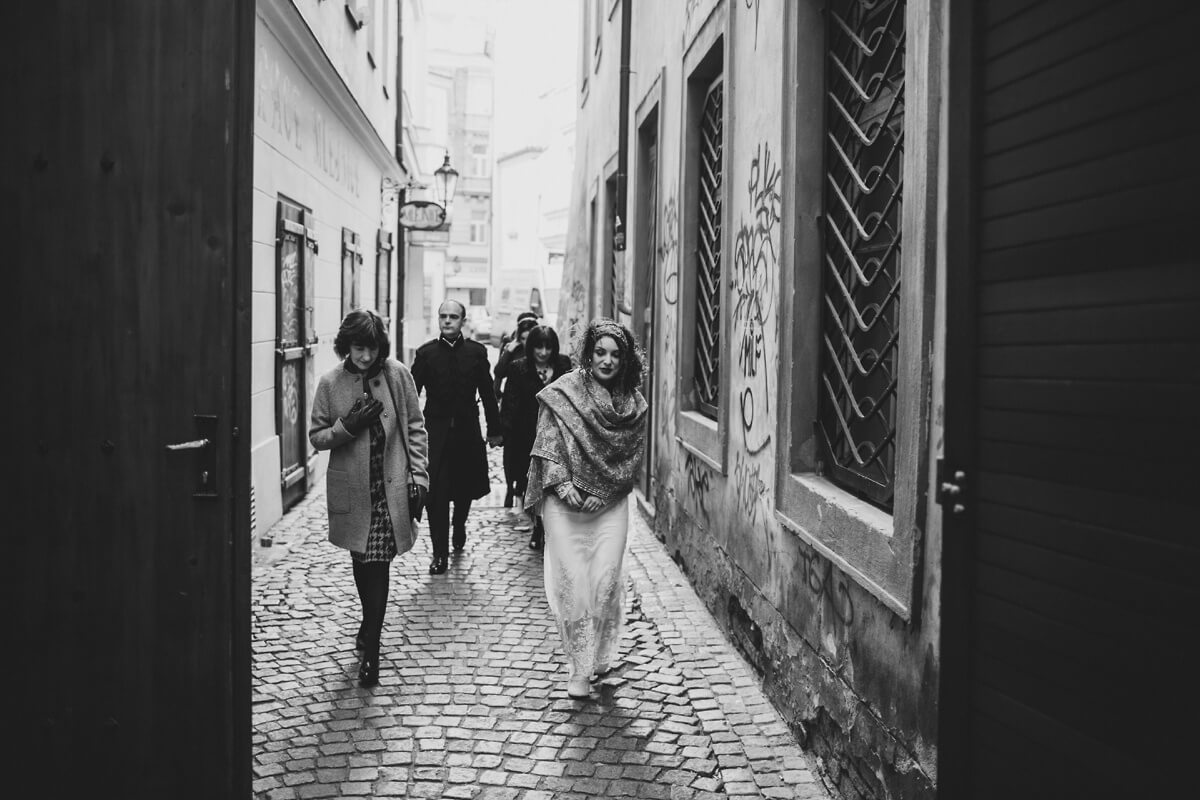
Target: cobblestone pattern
(471, 700)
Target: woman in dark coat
(541, 365)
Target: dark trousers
(437, 505)
(372, 579)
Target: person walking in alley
(541, 365)
(367, 414)
(453, 370)
(591, 433)
(511, 349)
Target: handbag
(415, 507)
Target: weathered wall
(855, 680)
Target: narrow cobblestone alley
(471, 701)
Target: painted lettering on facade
(285, 104)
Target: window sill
(853, 534)
(701, 436)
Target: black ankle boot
(368, 666)
(538, 539)
(368, 670)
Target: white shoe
(579, 688)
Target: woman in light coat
(366, 414)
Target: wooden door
(644, 284)
(127, 563)
(296, 338)
(1072, 379)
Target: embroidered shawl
(586, 436)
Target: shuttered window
(351, 272)
(707, 368)
(383, 273)
(860, 329)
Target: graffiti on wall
(752, 283)
(754, 4)
(750, 490)
(699, 484)
(668, 252)
(576, 303)
(828, 585)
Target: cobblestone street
(471, 700)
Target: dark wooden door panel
(127, 568)
(1084, 373)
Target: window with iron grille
(860, 230)
(707, 348)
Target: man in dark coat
(454, 371)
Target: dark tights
(372, 580)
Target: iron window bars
(861, 238)
(707, 371)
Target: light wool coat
(348, 481)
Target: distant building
(452, 106)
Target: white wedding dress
(584, 559)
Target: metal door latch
(206, 454)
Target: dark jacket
(518, 414)
(455, 378)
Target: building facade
(885, 267)
(324, 223)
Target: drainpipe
(402, 198)
(623, 147)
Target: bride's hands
(580, 501)
(591, 503)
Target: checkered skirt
(381, 541)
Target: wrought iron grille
(864, 116)
(707, 370)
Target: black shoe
(438, 565)
(538, 539)
(459, 540)
(368, 671)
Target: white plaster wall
(292, 122)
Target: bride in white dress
(590, 440)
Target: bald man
(454, 373)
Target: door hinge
(951, 488)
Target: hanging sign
(422, 215)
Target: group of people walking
(573, 439)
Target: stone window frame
(877, 549)
(706, 57)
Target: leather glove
(361, 415)
(416, 504)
